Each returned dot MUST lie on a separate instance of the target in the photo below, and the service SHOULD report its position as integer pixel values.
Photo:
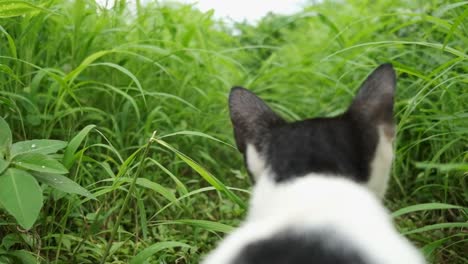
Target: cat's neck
(333, 196)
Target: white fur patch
(311, 203)
(255, 162)
(381, 165)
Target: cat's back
(315, 220)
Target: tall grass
(131, 70)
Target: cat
(318, 183)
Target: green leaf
(21, 196)
(443, 167)
(24, 257)
(146, 253)
(424, 207)
(11, 239)
(198, 134)
(5, 137)
(334, 29)
(62, 183)
(143, 215)
(42, 146)
(210, 178)
(143, 182)
(205, 224)
(3, 165)
(180, 185)
(429, 249)
(39, 162)
(12, 45)
(435, 227)
(129, 74)
(69, 155)
(16, 8)
(168, 194)
(85, 63)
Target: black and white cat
(318, 183)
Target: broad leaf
(21, 196)
(3, 165)
(11, 239)
(69, 155)
(39, 162)
(24, 257)
(42, 146)
(5, 137)
(62, 183)
(146, 253)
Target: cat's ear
(251, 118)
(374, 101)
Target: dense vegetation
(119, 74)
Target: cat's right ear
(250, 117)
(374, 101)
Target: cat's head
(356, 144)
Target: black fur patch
(307, 248)
(335, 146)
(342, 145)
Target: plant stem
(127, 199)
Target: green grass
(65, 65)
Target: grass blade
(205, 174)
(424, 207)
(69, 154)
(436, 227)
(146, 253)
(205, 224)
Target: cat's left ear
(251, 118)
(374, 101)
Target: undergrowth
(120, 74)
